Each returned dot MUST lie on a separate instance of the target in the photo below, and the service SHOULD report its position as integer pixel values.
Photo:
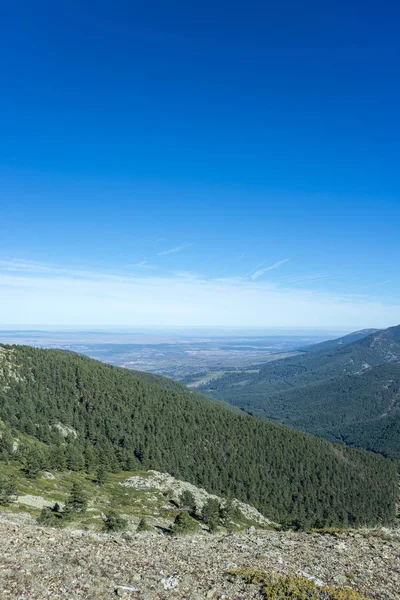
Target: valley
(345, 390)
(189, 356)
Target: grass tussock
(293, 587)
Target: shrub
(184, 524)
(114, 522)
(8, 489)
(51, 517)
(187, 500)
(293, 587)
(143, 525)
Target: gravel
(43, 563)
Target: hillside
(342, 341)
(73, 412)
(361, 410)
(42, 564)
(320, 390)
(321, 362)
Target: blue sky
(232, 164)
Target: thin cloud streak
(261, 272)
(143, 264)
(82, 298)
(173, 250)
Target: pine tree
(114, 522)
(8, 489)
(74, 458)
(101, 474)
(6, 445)
(187, 500)
(56, 457)
(33, 462)
(210, 514)
(77, 500)
(51, 516)
(185, 524)
(228, 513)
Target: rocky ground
(38, 563)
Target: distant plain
(190, 356)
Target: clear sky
(200, 163)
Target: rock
(169, 582)
(71, 564)
(316, 580)
(123, 590)
(340, 579)
(164, 482)
(341, 547)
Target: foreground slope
(86, 412)
(50, 564)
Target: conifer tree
(33, 462)
(77, 501)
(184, 524)
(8, 489)
(210, 513)
(114, 522)
(101, 474)
(187, 500)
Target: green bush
(8, 489)
(143, 525)
(114, 522)
(187, 500)
(293, 587)
(51, 517)
(184, 524)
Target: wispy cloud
(40, 293)
(173, 250)
(378, 284)
(261, 272)
(159, 240)
(304, 278)
(143, 264)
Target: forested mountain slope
(343, 391)
(361, 410)
(340, 342)
(83, 412)
(247, 387)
